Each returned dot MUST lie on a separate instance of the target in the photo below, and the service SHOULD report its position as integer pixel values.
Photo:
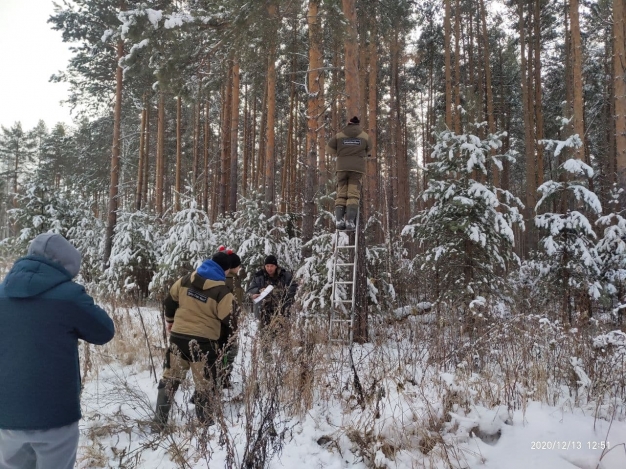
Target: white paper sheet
(264, 293)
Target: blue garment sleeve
(92, 323)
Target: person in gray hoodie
(43, 315)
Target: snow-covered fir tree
(133, 257)
(187, 243)
(86, 236)
(254, 236)
(466, 231)
(569, 257)
(611, 250)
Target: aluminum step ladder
(343, 293)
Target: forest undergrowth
(420, 390)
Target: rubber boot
(340, 224)
(203, 409)
(163, 405)
(351, 213)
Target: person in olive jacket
(197, 306)
(351, 146)
(43, 315)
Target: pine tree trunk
(115, 155)
(372, 194)
(313, 113)
(351, 66)
(448, 65)
(225, 155)
(270, 156)
(393, 156)
(334, 105)
(141, 163)
(160, 173)
(179, 154)
(538, 94)
(195, 150)
(363, 76)
(259, 175)
(360, 326)
(246, 143)
(491, 122)
(286, 196)
(619, 87)
(577, 79)
(206, 160)
(146, 164)
(528, 141)
(234, 134)
(457, 68)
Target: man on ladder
(351, 146)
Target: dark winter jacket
(351, 146)
(282, 297)
(42, 316)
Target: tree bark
(538, 94)
(531, 189)
(448, 65)
(372, 195)
(115, 154)
(195, 167)
(160, 173)
(234, 134)
(225, 155)
(619, 87)
(270, 156)
(206, 160)
(457, 68)
(179, 154)
(141, 163)
(577, 79)
(489, 91)
(146, 164)
(313, 119)
(351, 66)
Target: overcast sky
(30, 52)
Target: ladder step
(346, 247)
(341, 264)
(345, 282)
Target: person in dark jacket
(278, 302)
(197, 306)
(43, 315)
(229, 344)
(351, 146)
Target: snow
(118, 400)
(154, 16)
(578, 167)
(176, 20)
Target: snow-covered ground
(336, 432)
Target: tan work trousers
(348, 188)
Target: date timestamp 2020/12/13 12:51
(569, 444)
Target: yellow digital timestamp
(569, 444)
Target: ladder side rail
(333, 288)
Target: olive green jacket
(197, 307)
(352, 145)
